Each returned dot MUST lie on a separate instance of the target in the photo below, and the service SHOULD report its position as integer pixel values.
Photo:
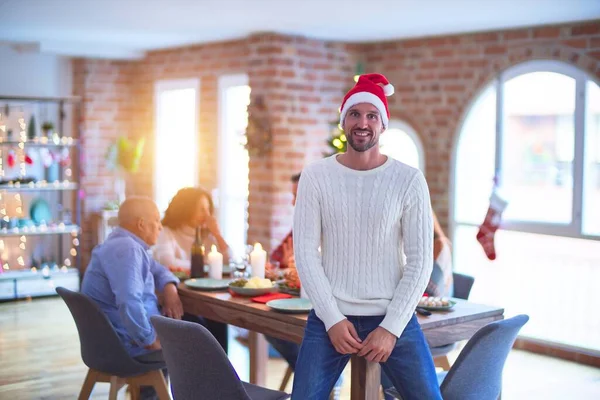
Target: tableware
(207, 283)
(451, 304)
(291, 306)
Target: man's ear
(141, 223)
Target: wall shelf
(63, 141)
(45, 198)
(39, 186)
(60, 229)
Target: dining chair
(198, 366)
(104, 354)
(477, 372)
(462, 285)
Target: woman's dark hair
(183, 205)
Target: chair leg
(286, 379)
(134, 391)
(442, 362)
(160, 385)
(88, 385)
(114, 388)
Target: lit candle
(258, 260)
(215, 262)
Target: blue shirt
(122, 277)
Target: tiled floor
(39, 359)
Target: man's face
(294, 192)
(149, 226)
(363, 126)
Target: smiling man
(371, 216)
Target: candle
(258, 260)
(215, 263)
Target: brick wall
(301, 82)
(105, 115)
(437, 78)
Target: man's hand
(172, 304)
(344, 338)
(154, 346)
(378, 346)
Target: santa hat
(372, 89)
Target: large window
(232, 195)
(401, 142)
(176, 144)
(537, 130)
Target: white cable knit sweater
(367, 223)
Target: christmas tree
(337, 141)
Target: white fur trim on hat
(365, 97)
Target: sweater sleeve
(417, 237)
(307, 239)
(164, 251)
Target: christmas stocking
(485, 236)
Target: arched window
(537, 129)
(401, 142)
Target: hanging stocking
(490, 225)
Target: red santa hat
(372, 89)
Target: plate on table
(291, 306)
(207, 283)
(251, 292)
(433, 305)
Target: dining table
(440, 328)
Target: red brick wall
(437, 78)
(106, 111)
(301, 82)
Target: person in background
(122, 279)
(190, 208)
(285, 250)
(284, 254)
(440, 282)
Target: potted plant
(48, 128)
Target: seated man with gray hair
(122, 278)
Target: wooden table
(440, 329)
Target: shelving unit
(36, 254)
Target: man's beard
(362, 147)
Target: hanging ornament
(11, 158)
(65, 157)
(47, 157)
(28, 159)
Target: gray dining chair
(477, 372)
(104, 354)
(198, 366)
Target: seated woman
(190, 208)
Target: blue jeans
(289, 351)
(409, 367)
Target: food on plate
(434, 302)
(253, 283)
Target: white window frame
(225, 82)
(175, 84)
(574, 228)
